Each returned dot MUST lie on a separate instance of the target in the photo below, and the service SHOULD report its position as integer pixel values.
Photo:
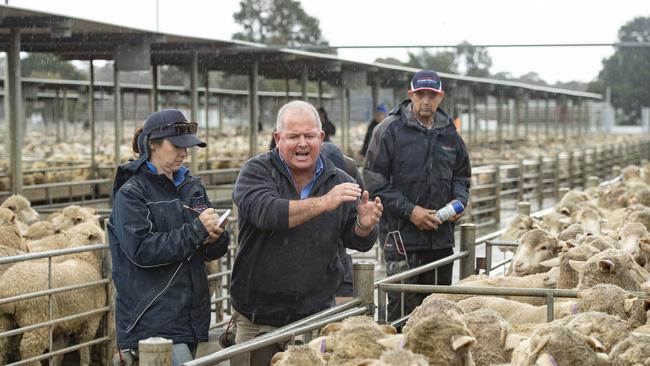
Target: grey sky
(367, 22)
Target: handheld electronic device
(223, 217)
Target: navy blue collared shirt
(306, 190)
(179, 175)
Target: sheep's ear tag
(464, 341)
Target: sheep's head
(21, 207)
(7, 217)
(535, 246)
(517, 227)
(74, 215)
(611, 266)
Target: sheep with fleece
(535, 246)
(27, 277)
(73, 215)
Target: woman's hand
(210, 220)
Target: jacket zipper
(129, 329)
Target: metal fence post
(540, 182)
(363, 284)
(109, 326)
(616, 171)
(523, 208)
(570, 170)
(583, 169)
(520, 183)
(556, 175)
(155, 351)
(468, 243)
(592, 181)
(497, 193)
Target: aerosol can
(452, 209)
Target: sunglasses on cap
(174, 129)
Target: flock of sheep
(595, 241)
(21, 232)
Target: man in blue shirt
(294, 207)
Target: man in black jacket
(294, 207)
(417, 163)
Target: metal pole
(374, 91)
(346, 127)
(207, 118)
(56, 115)
(499, 120)
(91, 116)
(526, 115)
(65, 114)
(303, 82)
(468, 243)
(547, 117)
(194, 103)
(14, 112)
(154, 88)
(523, 208)
(320, 93)
(253, 108)
(344, 112)
(287, 90)
(472, 118)
(117, 111)
(517, 115)
(540, 182)
(155, 351)
(363, 284)
(497, 193)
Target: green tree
(277, 22)
(627, 71)
(46, 65)
(444, 61)
(474, 60)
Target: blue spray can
(453, 208)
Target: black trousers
(411, 300)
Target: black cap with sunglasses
(172, 125)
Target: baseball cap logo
(426, 79)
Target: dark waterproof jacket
(282, 275)
(407, 165)
(158, 257)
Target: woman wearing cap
(161, 231)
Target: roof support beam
(15, 112)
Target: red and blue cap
(426, 80)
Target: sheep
(26, 277)
(568, 277)
(590, 219)
(432, 304)
(613, 300)
(633, 350)
(514, 312)
(535, 246)
(297, 356)
(555, 222)
(571, 232)
(640, 196)
(397, 357)
(494, 335)
(537, 280)
(612, 266)
(641, 216)
(74, 215)
(331, 336)
(39, 230)
(569, 201)
(556, 345)
(10, 235)
(600, 242)
(353, 345)
(608, 329)
(517, 227)
(442, 339)
(78, 235)
(630, 237)
(29, 277)
(21, 207)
